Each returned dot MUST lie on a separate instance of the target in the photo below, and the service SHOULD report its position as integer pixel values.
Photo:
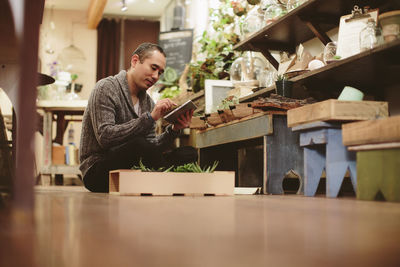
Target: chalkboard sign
(178, 47)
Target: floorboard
(76, 228)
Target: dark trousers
(128, 155)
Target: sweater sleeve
(103, 105)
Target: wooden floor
(76, 228)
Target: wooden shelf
(368, 71)
(257, 94)
(312, 19)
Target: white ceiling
(136, 8)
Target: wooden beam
(95, 12)
(320, 34)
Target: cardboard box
(58, 155)
(135, 182)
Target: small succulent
(282, 77)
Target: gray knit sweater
(110, 120)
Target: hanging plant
(239, 8)
(253, 2)
(217, 48)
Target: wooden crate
(198, 123)
(134, 182)
(333, 109)
(385, 130)
(226, 115)
(214, 119)
(243, 110)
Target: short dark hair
(144, 50)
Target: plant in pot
(283, 86)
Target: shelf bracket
(266, 54)
(321, 35)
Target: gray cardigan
(110, 120)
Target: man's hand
(161, 108)
(183, 121)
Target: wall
(62, 36)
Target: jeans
(128, 155)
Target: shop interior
(296, 127)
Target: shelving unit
(59, 108)
(369, 71)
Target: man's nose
(155, 75)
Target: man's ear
(134, 60)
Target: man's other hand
(162, 107)
(183, 121)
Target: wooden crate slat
(333, 109)
(385, 130)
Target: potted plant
(283, 86)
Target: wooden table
(281, 152)
(60, 109)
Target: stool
(378, 168)
(323, 148)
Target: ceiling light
(124, 7)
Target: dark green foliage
(188, 167)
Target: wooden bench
(323, 149)
(319, 125)
(377, 144)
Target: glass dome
(236, 70)
(247, 68)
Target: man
(118, 127)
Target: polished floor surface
(76, 228)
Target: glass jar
(330, 52)
(247, 68)
(273, 12)
(370, 36)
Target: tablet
(177, 112)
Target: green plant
(195, 167)
(282, 77)
(229, 101)
(170, 92)
(170, 83)
(188, 167)
(216, 48)
(74, 77)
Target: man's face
(147, 73)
